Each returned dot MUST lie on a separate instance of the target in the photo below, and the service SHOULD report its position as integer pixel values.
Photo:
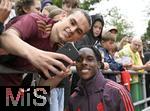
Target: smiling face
(86, 64)
(136, 45)
(68, 5)
(70, 28)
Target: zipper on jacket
(87, 98)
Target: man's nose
(98, 29)
(73, 28)
(137, 47)
(84, 62)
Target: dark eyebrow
(91, 55)
(79, 29)
(73, 20)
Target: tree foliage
(84, 5)
(116, 19)
(57, 2)
(147, 34)
(87, 3)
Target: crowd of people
(30, 41)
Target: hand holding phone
(69, 50)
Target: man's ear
(100, 65)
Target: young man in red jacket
(94, 92)
(24, 30)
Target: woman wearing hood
(94, 34)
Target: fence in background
(144, 101)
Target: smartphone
(69, 50)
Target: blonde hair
(55, 12)
(108, 36)
(49, 8)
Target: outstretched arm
(42, 60)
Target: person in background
(5, 8)
(23, 7)
(141, 53)
(45, 3)
(94, 92)
(54, 12)
(107, 43)
(147, 77)
(27, 6)
(114, 51)
(57, 14)
(131, 51)
(12, 12)
(68, 5)
(94, 35)
(124, 41)
(47, 9)
(113, 31)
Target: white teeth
(85, 70)
(66, 34)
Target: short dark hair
(95, 50)
(96, 53)
(88, 17)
